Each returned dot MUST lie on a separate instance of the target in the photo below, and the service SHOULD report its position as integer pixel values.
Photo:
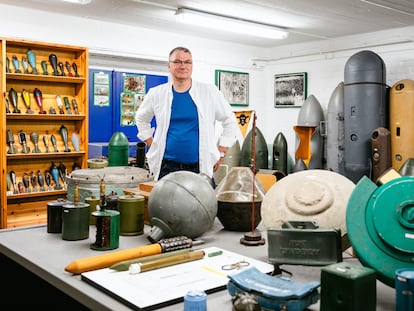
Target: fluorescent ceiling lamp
(228, 24)
(78, 1)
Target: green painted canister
(75, 221)
(118, 150)
(93, 201)
(107, 230)
(131, 208)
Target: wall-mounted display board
(114, 98)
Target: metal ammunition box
(303, 243)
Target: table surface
(46, 255)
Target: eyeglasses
(180, 62)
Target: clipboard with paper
(165, 286)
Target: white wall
(137, 48)
(324, 62)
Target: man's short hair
(179, 48)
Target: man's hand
(223, 151)
(149, 142)
(217, 165)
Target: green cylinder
(93, 201)
(107, 230)
(131, 208)
(118, 150)
(75, 221)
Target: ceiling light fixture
(78, 1)
(229, 24)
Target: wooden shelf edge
(46, 78)
(40, 194)
(24, 156)
(45, 117)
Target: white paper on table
(166, 286)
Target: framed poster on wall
(234, 86)
(101, 89)
(290, 90)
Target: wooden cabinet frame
(30, 207)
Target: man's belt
(182, 166)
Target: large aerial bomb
(365, 109)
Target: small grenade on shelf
(52, 110)
(10, 142)
(43, 63)
(34, 182)
(25, 65)
(26, 183)
(39, 99)
(32, 61)
(62, 69)
(75, 69)
(26, 101)
(34, 137)
(69, 69)
(7, 102)
(62, 173)
(48, 180)
(46, 142)
(8, 184)
(23, 141)
(8, 70)
(75, 142)
(53, 63)
(64, 133)
(67, 105)
(16, 64)
(41, 180)
(14, 100)
(75, 106)
(53, 139)
(60, 104)
(14, 182)
(20, 187)
(54, 171)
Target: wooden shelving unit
(29, 205)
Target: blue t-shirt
(183, 133)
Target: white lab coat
(211, 107)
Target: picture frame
(234, 86)
(134, 83)
(101, 89)
(290, 90)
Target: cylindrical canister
(195, 300)
(93, 202)
(118, 150)
(140, 157)
(75, 221)
(107, 230)
(131, 208)
(404, 289)
(54, 215)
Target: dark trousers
(168, 166)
